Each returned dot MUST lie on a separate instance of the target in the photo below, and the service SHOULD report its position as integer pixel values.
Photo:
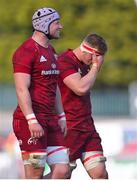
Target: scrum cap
(42, 19)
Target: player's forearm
(87, 82)
(58, 102)
(24, 101)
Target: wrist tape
(31, 118)
(62, 117)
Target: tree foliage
(114, 20)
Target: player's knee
(102, 174)
(99, 171)
(105, 174)
(62, 171)
(36, 176)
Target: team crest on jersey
(43, 59)
(53, 66)
(32, 141)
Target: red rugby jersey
(77, 108)
(40, 63)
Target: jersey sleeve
(23, 60)
(66, 68)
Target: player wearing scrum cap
(78, 71)
(35, 121)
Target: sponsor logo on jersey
(32, 141)
(49, 72)
(43, 59)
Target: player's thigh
(93, 142)
(57, 152)
(99, 171)
(93, 153)
(75, 141)
(92, 159)
(57, 155)
(58, 160)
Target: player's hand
(36, 130)
(63, 126)
(97, 61)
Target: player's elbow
(81, 91)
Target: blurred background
(114, 96)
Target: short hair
(96, 41)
